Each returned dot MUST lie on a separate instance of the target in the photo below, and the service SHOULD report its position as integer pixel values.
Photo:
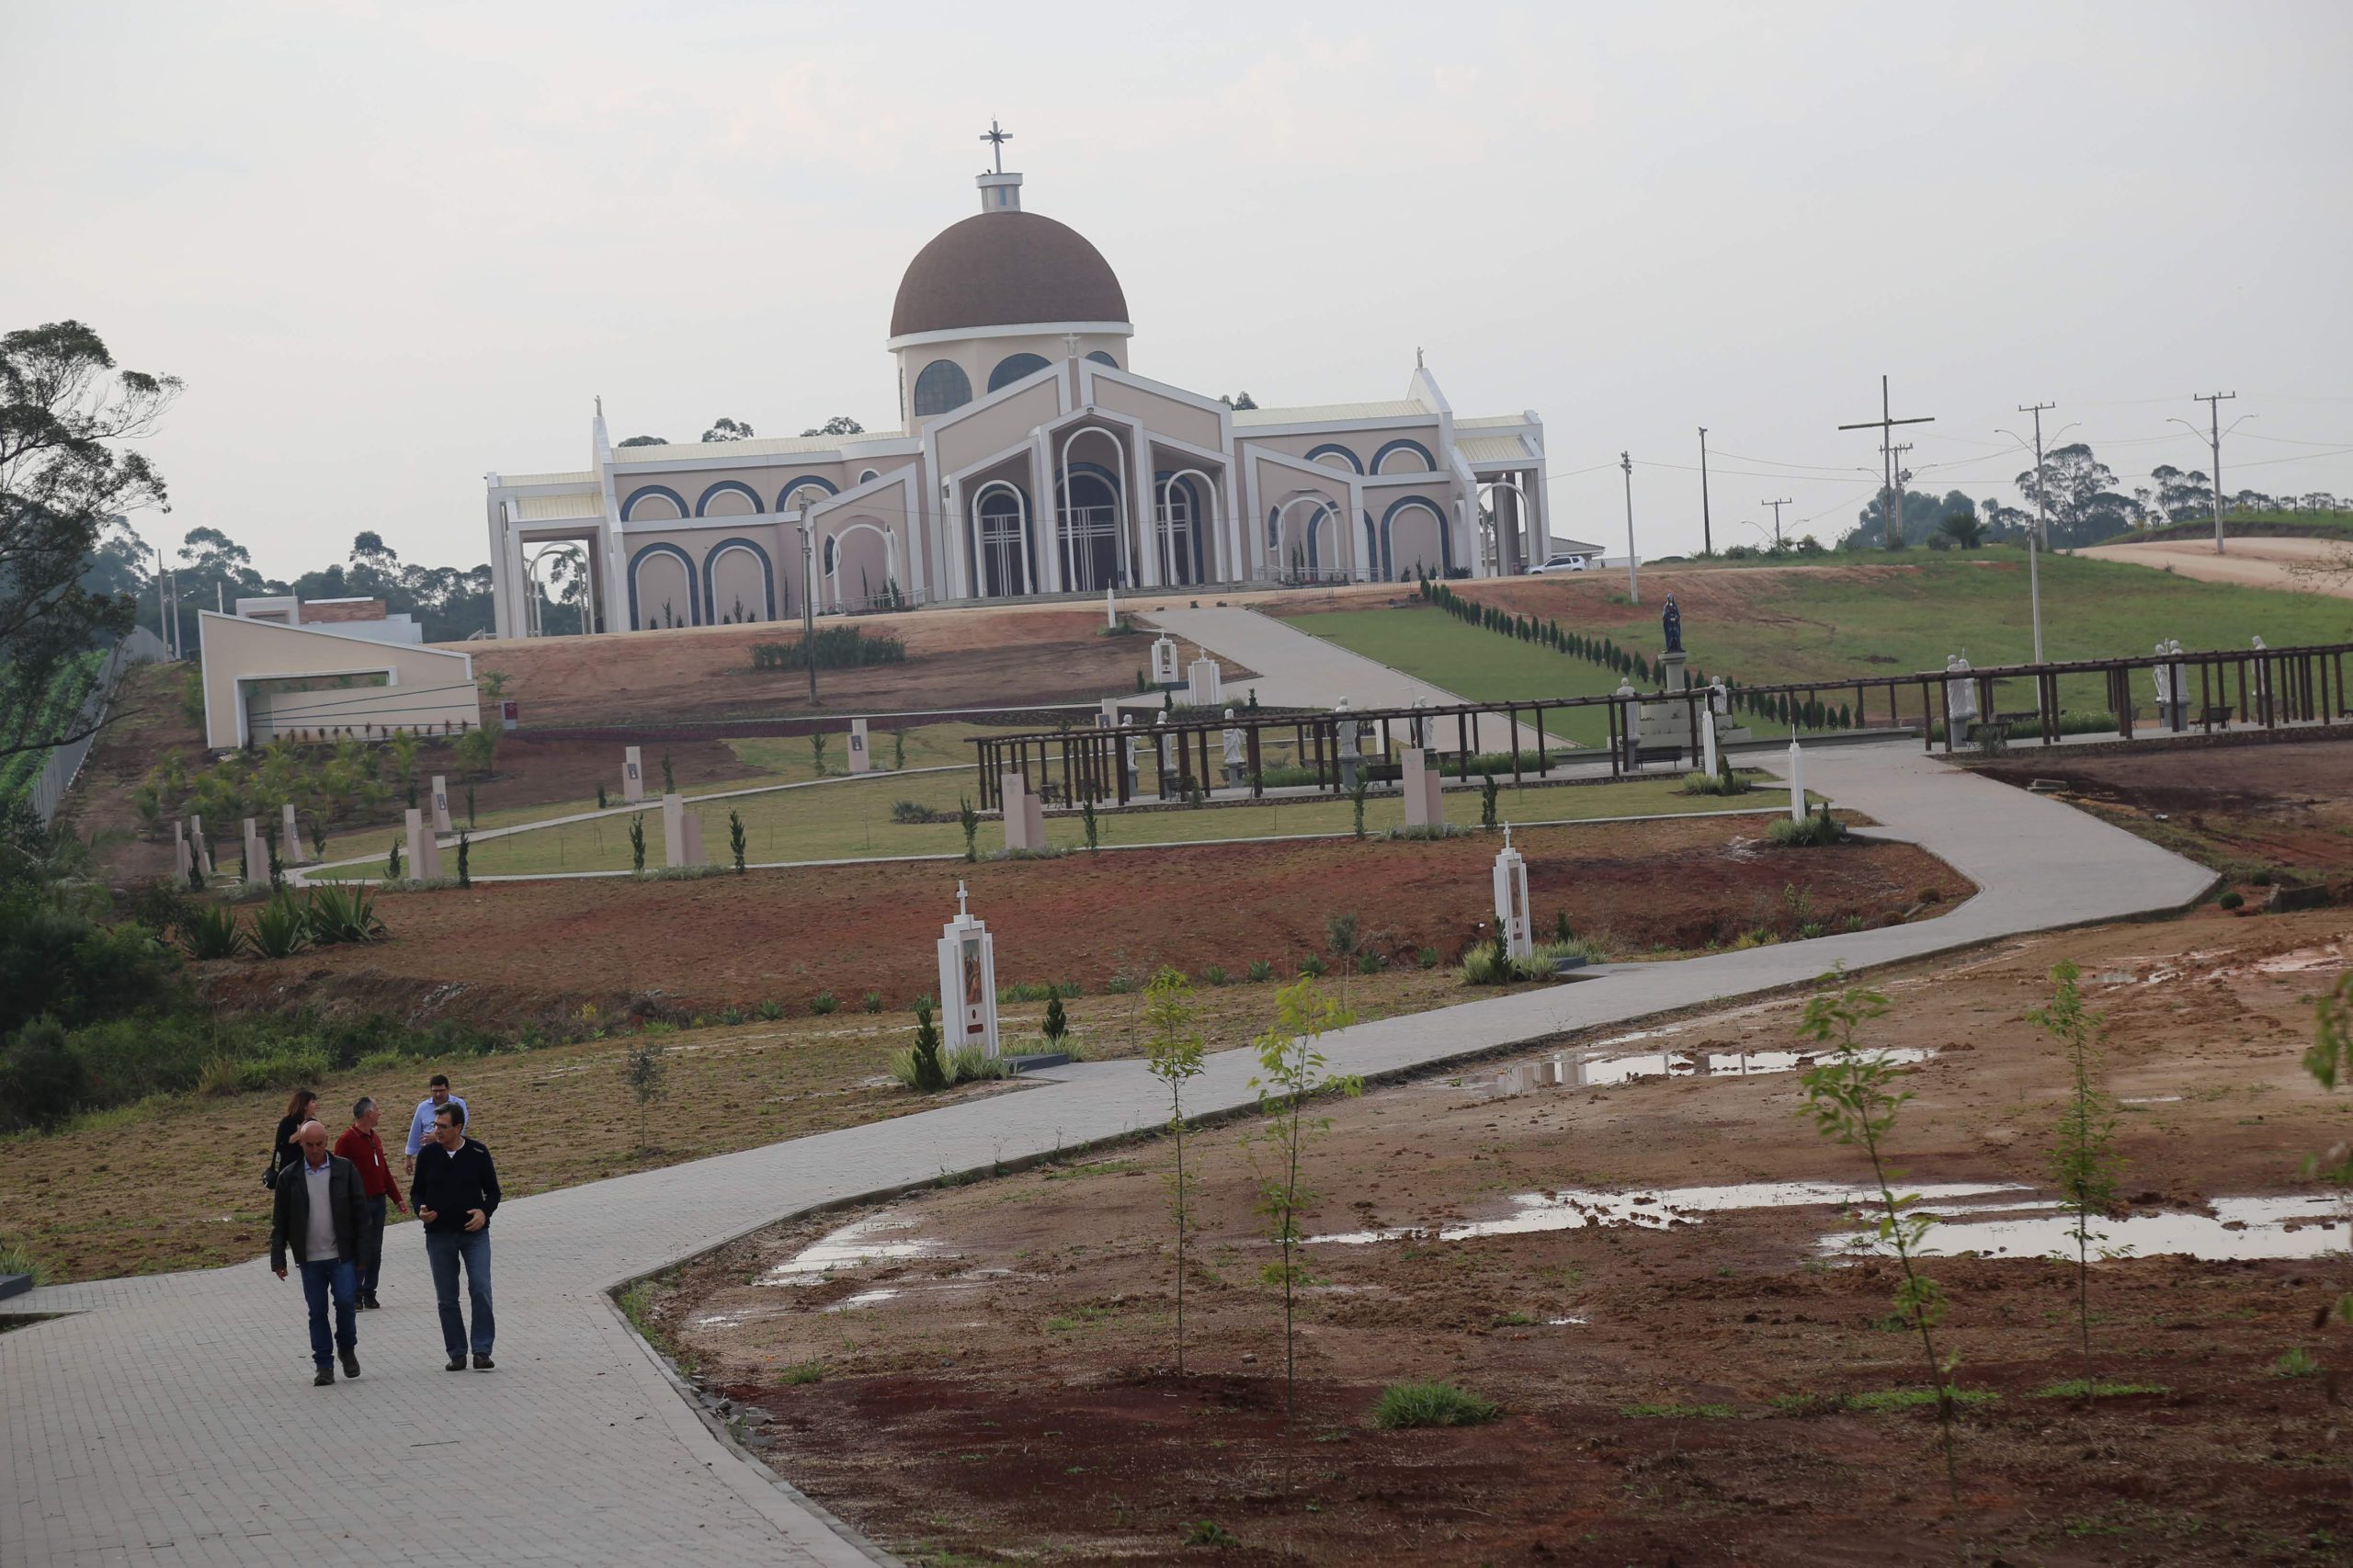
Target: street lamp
(808, 593)
(2034, 534)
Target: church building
(1031, 457)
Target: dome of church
(1005, 268)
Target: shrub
(926, 1073)
(1213, 975)
(1699, 782)
(824, 1003)
(2230, 900)
(911, 812)
(1207, 1532)
(1261, 971)
(1314, 967)
(1431, 1404)
(1055, 1027)
(1428, 958)
(281, 928)
(1368, 962)
(1816, 830)
(770, 1010)
(41, 1076)
(212, 932)
(872, 1001)
(342, 915)
(968, 1064)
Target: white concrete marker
(1797, 781)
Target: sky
(392, 248)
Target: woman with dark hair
(283, 1149)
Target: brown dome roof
(1006, 269)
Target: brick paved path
(171, 1420)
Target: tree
(2079, 498)
(1963, 530)
(1174, 1055)
(1239, 401)
(65, 415)
(646, 1072)
(839, 425)
(726, 430)
(646, 441)
(1292, 1070)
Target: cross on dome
(996, 140)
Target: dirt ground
(1000, 1386)
(2256, 562)
(507, 954)
(956, 660)
(2284, 810)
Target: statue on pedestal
(1670, 621)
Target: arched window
(942, 386)
(1101, 358)
(1013, 367)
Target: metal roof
(516, 480)
(1322, 413)
(1496, 450)
(719, 453)
(559, 508)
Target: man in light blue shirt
(420, 1126)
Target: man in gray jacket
(320, 1207)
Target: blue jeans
(336, 1277)
(443, 1249)
(371, 1244)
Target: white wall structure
(1028, 457)
(264, 678)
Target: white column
(440, 804)
(633, 777)
(1511, 899)
(1797, 781)
(1707, 739)
(674, 830)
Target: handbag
(270, 1172)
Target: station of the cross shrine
(1031, 455)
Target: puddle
(2150, 1099)
(2305, 1226)
(1996, 1218)
(1584, 1071)
(1574, 1209)
(848, 1247)
(863, 1298)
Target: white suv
(1559, 564)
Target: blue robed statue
(1671, 622)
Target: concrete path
(171, 1420)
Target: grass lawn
(780, 760)
(850, 820)
(1473, 663)
(174, 1182)
(1842, 619)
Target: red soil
(509, 951)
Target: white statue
(1346, 747)
(1231, 742)
(1960, 696)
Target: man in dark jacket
(319, 1209)
(455, 1193)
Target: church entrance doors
(1090, 535)
(1005, 555)
(1180, 538)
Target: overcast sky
(392, 248)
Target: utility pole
(2214, 428)
(1707, 532)
(1633, 575)
(1777, 506)
(1886, 423)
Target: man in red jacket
(360, 1145)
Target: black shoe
(457, 1363)
(351, 1363)
(324, 1379)
(483, 1363)
(370, 1303)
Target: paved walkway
(171, 1420)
